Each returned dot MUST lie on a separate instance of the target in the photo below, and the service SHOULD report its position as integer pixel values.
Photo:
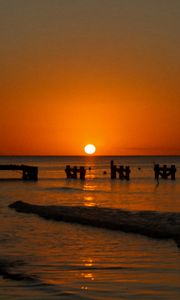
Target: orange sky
(78, 72)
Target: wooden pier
(28, 172)
(123, 171)
(72, 172)
(164, 172)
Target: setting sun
(90, 149)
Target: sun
(90, 149)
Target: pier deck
(28, 172)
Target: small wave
(92, 268)
(94, 190)
(8, 271)
(76, 189)
(64, 188)
(150, 223)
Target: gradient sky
(74, 72)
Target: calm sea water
(70, 261)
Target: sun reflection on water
(89, 187)
(89, 201)
(88, 262)
(87, 276)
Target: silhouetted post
(113, 170)
(173, 172)
(156, 171)
(128, 171)
(68, 171)
(34, 173)
(121, 172)
(164, 172)
(82, 172)
(75, 170)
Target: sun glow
(90, 149)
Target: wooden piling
(113, 170)
(30, 173)
(73, 172)
(123, 171)
(173, 172)
(164, 172)
(82, 172)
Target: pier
(123, 171)
(164, 172)
(28, 172)
(72, 172)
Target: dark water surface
(42, 259)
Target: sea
(45, 259)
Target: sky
(105, 72)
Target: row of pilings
(123, 172)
